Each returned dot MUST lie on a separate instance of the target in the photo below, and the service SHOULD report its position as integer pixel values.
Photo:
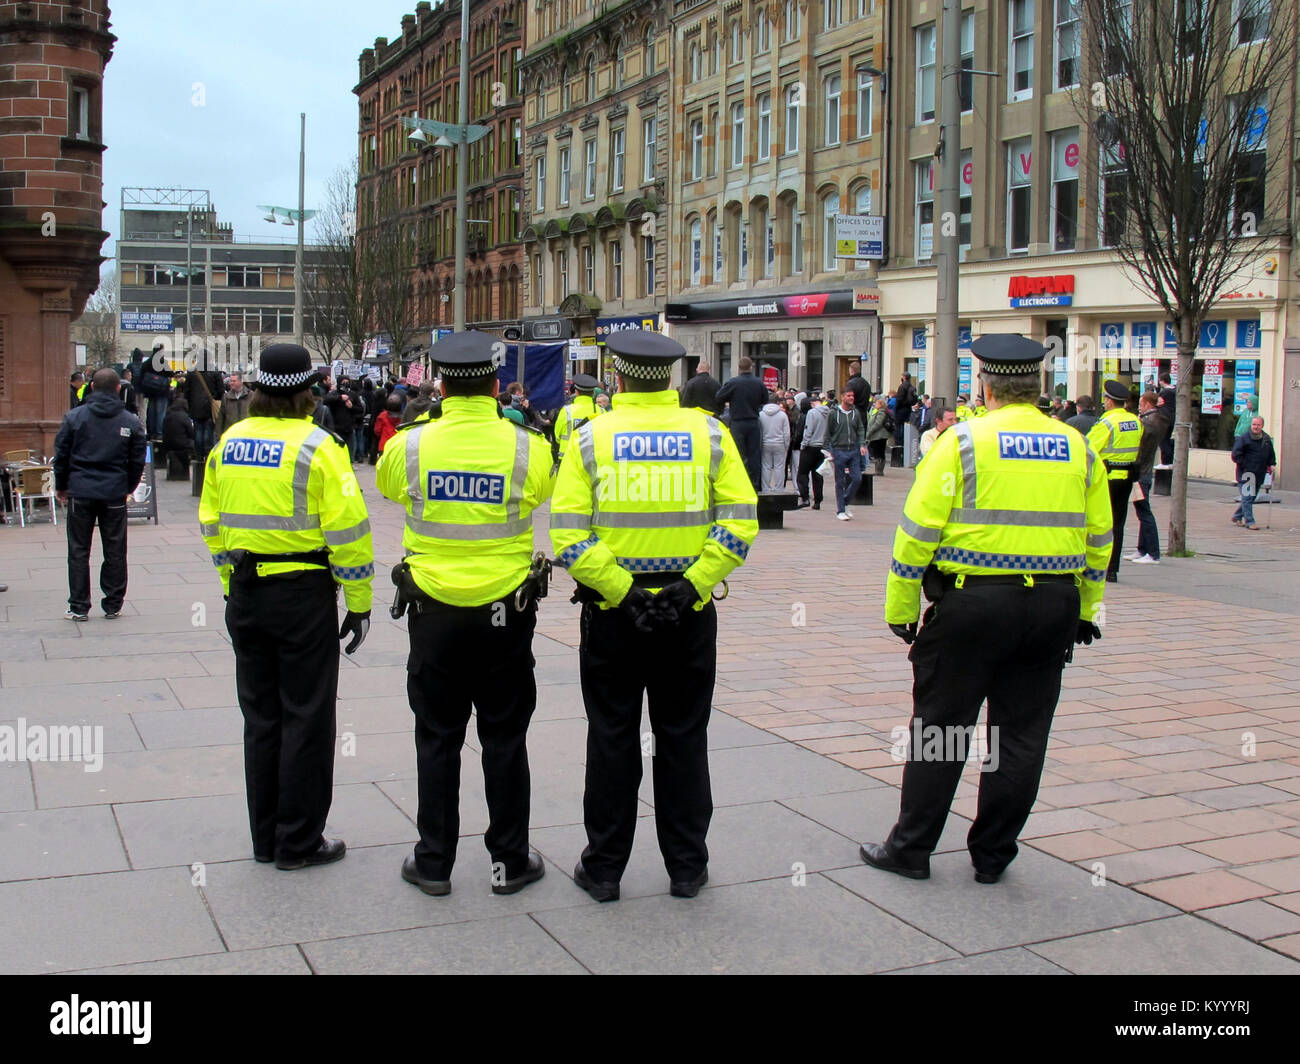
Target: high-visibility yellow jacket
(1116, 437)
(583, 408)
(283, 485)
(963, 412)
(652, 488)
(470, 481)
(1011, 492)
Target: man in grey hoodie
(811, 453)
(775, 427)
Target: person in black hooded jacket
(99, 456)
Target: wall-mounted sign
(1212, 387)
(605, 326)
(866, 299)
(859, 236)
(812, 304)
(146, 321)
(1246, 372)
(1053, 291)
(1248, 336)
(918, 339)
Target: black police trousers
(481, 658)
(676, 669)
(286, 638)
(1006, 643)
(1120, 490)
(83, 514)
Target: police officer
(283, 516)
(1116, 437)
(580, 411)
(1009, 525)
(470, 481)
(653, 509)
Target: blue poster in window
(1171, 338)
(1246, 374)
(1112, 338)
(1248, 338)
(918, 339)
(963, 375)
(963, 337)
(1214, 336)
(1144, 336)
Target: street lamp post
(301, 216)
(942, 373)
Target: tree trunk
(1182, 440)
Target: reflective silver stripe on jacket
(581, 522)
(661, 519)
(414, 490)
(739, 511)
(443, 530)
(518, 476)
(925, 535)
(966, 448)
(270, 522)
(1020, 518)
(339, 536)
(301, 520)
(209, 530)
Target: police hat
(467, 355)
(644, 355)
(285, 369)
(585, 382)
(1117, 391)
(1006, 354)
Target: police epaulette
(339, 439)
(527, 428)
(409, 425)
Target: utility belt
(1131, 468)
(410, 595)
(936, 583)
(247, 561)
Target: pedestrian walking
(812, 452)
(1116, 437)
(847, 438)
(284, 518)
(701, 391)
(647, 565)
(1085, 415)
(880, 431)
(203, 390)
(1255, 456)
(1007, 526)
(234, 403)
(746, 396)
(470, 481)
(1154, 427)
(99, 457)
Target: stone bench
(772, 507)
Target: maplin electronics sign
(1057, 291)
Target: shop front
(1099, 326)
(803, 341)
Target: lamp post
(299, 216)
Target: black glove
(638, 607)
(905, 632)
(1086, 632)
(673, 602)
(358, 625)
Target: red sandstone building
(52, 58)
(418, 75)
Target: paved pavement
(1164, 841)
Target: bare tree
(337, 300)
(387, 257)
(1182, 99)
(99, 322)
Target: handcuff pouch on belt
(932, 585)
(409, 594)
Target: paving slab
(1038, 898)
(869, 814)
(41, 843)
(142, 775)
(258, 905)
(1178, 945)
(1254, 919)
(501, 946)
(274, 960)
(120, 917)
(1017, 961)
(16, 786)
(770, 928)
(54, 705)
(181, 831)
(744, 775)
(171, 729)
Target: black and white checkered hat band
(1010, 368)
(478, 369)
(642, 373)
(285, 380)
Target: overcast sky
(259, 63)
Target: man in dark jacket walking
(746, 395)
(99, 455)
(858, 386)
(202, 389)
(701, 391)
(904, 399)
(1253, 452)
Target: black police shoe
(598, 891)
(879, 857)
(1112, 578)
(688, 888)
(438, 888)
(535, 870)
(327, 852)
(987, 877)
(263, 858)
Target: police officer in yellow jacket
(1008, 526)
(579, 412)
(652, 510)
(470, 481)
(1116, 437)
(283, 516)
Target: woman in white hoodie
(775, 428)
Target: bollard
(196, 477)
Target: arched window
(765, 125)
(830, 208)
(620, 65)
(831, 96)
(793, 105)
(737, 42)
(762, 33)
(693, 62)
(791, 20)
(566, 100)
(648, 49)
(540, 90)
(591, 78)
(696, 251)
